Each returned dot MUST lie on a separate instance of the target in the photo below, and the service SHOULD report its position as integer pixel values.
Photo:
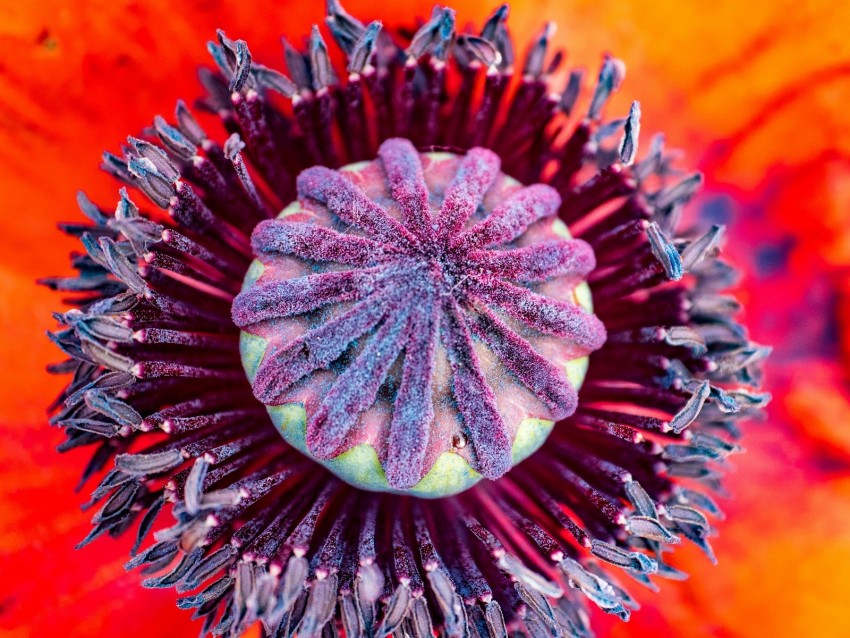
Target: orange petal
(746, 90)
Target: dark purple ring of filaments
(261, 533)
(417, 281)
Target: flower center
(417, 322)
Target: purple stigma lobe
(543, 378)
(477, 171)
(296, 296)
(407, 185)
(317, 243)
(355, 390)
(414, 409)
(539, 312)
(511, 219)
(539, 262)
(350, 204)
(315, 350)
(474, 397)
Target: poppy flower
(414, 324)
(663, 251)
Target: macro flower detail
(409, 258)
(428, 284)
